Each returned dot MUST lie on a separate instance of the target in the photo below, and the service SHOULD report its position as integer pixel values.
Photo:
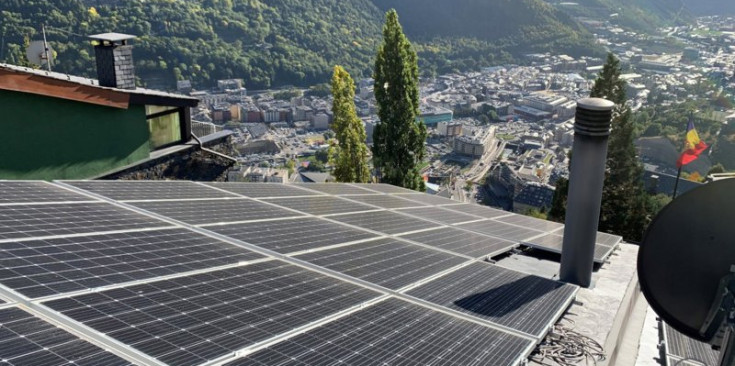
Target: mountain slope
(518, 26)
(279, 42)
(711, 7)
(639, 15)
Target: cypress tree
(624, 201)
(398, 140)
(349, 153)
(558, 209)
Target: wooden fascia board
(51, 87)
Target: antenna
(45, 47)
(38, 53)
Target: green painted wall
(50, 138)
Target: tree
(349, 153)
(493, 115)
(716, 169)
(625, 205)
(653, 130)
(558, 209)
(319, 90)
(291, 166)
(537, 213)
(23, 59)
(322, 155)
(398, 140)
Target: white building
(321, 121)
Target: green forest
(286, 42)
(639, 15)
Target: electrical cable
(64, 31)
(565, 347)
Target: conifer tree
(398, 140)
(349, 153)
(624, 201)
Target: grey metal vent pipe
(586, 177)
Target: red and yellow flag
(694, 147)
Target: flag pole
(678, 175)
(676, 185)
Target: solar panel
(195, 319)
(462, 242)
(289, 236)
(477, 210)
(439, 214)
(261, 190)
(180, 295)
(36, 192)
(385, 222)
(529, 304)
(608, 239)
(501, 230)
(28, 340)
(386, 201)
(394, 332)
(427, 198)
(383, 188)
(127, 190)
(321, 205)
(531, 222)
(554, 242)
(387, 262)
(45, 267)
(28, 221)
(335, 189)
(685, 351)
(215, 211)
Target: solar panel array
(28, 340)
(186, 273)
(553, 243)
(684, 351)
(370, 336)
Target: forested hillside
(639, 15)
(461, 34)
(711, 7)
(278, 42)
(529, 23)
(281, 42)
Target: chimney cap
(595, 104)
(111, 37)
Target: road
(478, 171)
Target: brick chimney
(114, 60)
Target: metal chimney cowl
(586, 178)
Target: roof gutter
(201, 146)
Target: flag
(694, 147)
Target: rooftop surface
(184, 273)
(91, 82)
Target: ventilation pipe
(586, 177)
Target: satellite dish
(36, 54)
(686, 263)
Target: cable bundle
(566, 347)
